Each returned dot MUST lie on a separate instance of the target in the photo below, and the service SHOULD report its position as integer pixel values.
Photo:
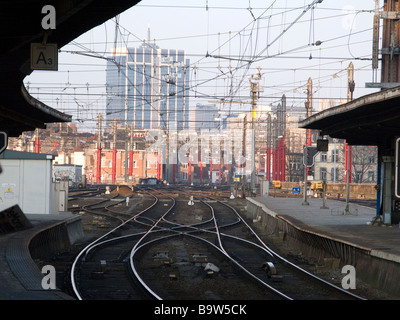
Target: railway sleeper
(97, 274)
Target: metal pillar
(378, 191)
(253, 117)
(126, 153)
(190, 170)
(131, 152)
(201, 172)
(308, 106)
(37, 141)
(387, 189)
(211, 170)
(348, 148)
(114, 154)
(254, 90)
(158, 167)
(305, 202)
(347, 209)
(324, 206)
(269, 138)
(98, 171)
(283, 134)
(390, 42)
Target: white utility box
(26, 180)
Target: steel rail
(139, 244)
(276, 255)
(222, 251)
(220, 248)
(289, 262)
(84, 250)
(155, 228)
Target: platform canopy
(372, 119)
(21, 25)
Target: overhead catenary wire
(236, 80)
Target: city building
(149, 87)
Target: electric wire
(242, 64)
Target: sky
(286, 41)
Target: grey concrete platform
(20, 277)
(355, 229)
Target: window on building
(334, 175)
(371, 159)
(335, 155)
(359, 176)
(322, 173)
(371, 176)
(324, 157)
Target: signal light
(309, 154)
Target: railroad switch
(271, 271)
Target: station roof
(369, 120)
(20, 25)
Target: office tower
(149, 86)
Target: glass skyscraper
(148, 86)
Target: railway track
(283, 277)
(168, 249)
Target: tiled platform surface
(20, 278)
(355, 228)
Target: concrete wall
(378, 272)
(57, 238)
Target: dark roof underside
(368, 120)
(20, 24)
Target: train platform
(20, 277)
(357, 227)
